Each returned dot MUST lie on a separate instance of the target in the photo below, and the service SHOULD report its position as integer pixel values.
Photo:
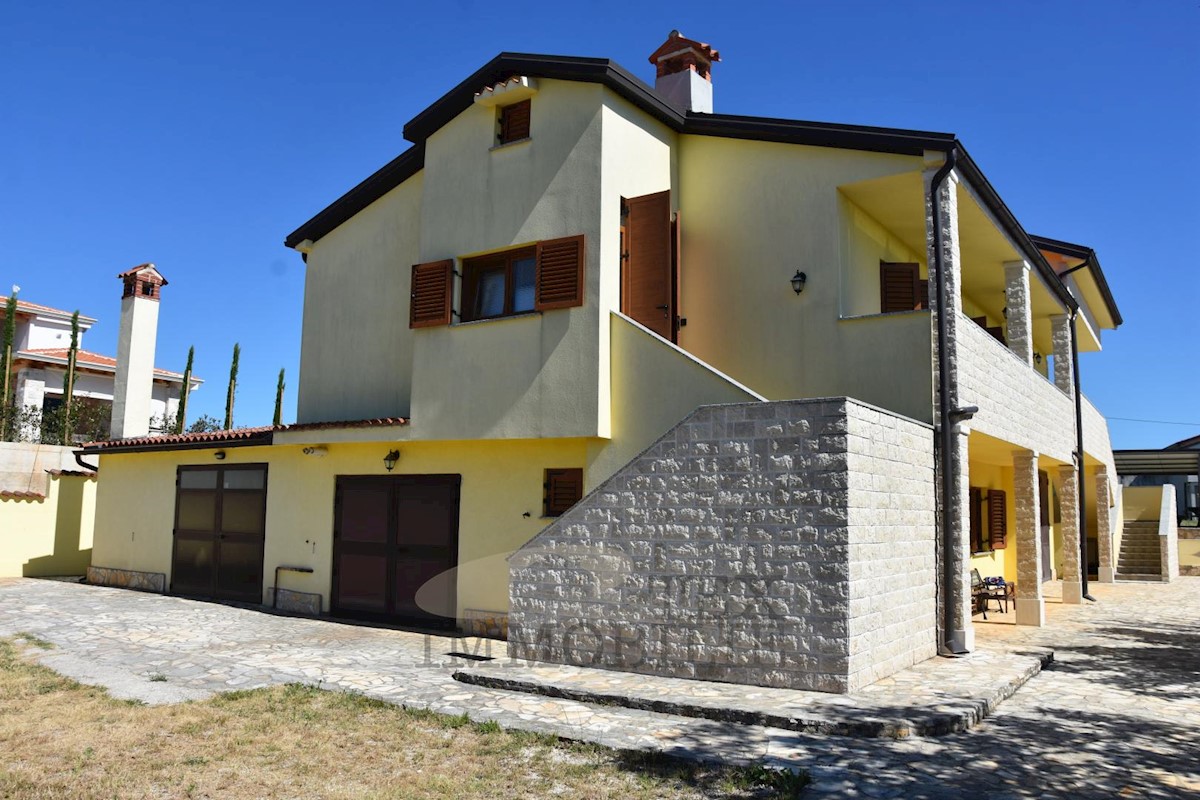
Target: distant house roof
(25, 307)
(238, 437)
(86, 358)
(1191, 443)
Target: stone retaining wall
(786, 544)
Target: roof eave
(1089, 255)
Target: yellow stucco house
(573, 285)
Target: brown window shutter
(563, 489)
(432, 290)
(647, 281)
(997, 519)
(976, 499)
(514, 122)
(898, 287)
(559, 282)
(923, 295)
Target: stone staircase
(1141, 556)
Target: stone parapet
(785, 544)
(1016, 404)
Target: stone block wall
(784, 544)
(1015, 403)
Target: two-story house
(564, 265)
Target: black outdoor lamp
(798, 281)
(389, 461)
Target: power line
(1157, 421)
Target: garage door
(392, 535)
(220, 519)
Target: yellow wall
(355, 348)
(997, 562)
(52, 536)
(1142, 503)
(655, 385)
(538, 375)
(865, 242)
(501, 481)
(1189, 555)
(754, 213)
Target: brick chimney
(141, 290)
(685, 72)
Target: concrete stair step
(1149, 576)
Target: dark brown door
(395, 539)
(648, 273)
(220, 521)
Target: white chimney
(685, 72)
(135, 351)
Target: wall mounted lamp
(798, 281)
(1037, 359)
(389, 461)
(219, 455)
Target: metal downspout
(1082, 512)
(945, 429)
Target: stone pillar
(1020, 314)
(958, 557)
(1067, 486)
(1107, 568)
(1031, 608)
(1064, 366)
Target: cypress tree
(181, 412)
(10, 329)
(279, 399)
(233, 371)
(69, 379)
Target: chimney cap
(677, 44)
(139, 269)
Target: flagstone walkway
(1117, 713)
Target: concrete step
(1151, 577)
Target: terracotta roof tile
(71, 473)
(87, 358)
(9, 495)
(264, 432)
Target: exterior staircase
(1141, 556)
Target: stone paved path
(1117, 715)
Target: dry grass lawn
(63, 740)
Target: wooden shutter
(923, 294)
(898, 287)
(432, 290)
(997, 519)
(647, 287)
(676, 265)
(563, 488)
(976, 500)
(560, 273)
(514, 122)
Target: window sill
(522, 315)
(513, 143)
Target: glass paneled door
(220, 522)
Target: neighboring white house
(40, 349)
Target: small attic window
(148, 289)
(513, 122)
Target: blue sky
(197, 135)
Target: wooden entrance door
(649, 264)
(220, 521)
(394, 535)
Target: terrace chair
(982, 592)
